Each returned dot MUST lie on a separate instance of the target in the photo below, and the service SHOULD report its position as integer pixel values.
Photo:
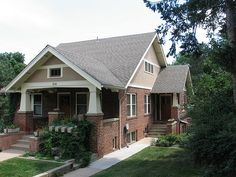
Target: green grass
(19, 167)
(155, 162)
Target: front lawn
(155, 162)
(19, 167)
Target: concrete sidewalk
(110, 159)
(10, 153)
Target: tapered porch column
(25, 105)
(24, 117)
(94, 101)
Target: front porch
(41, 106)
(168, 109)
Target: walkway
(10, 153)
(110, 159)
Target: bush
(171, 139)
(68, 145)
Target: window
(55, 72)
(81, 103)
(148, 67)
(114, 143)
(131, 105)
(147, 104)
(131, 137)
(37, 104)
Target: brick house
(121, 84)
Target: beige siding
(142, 78)
(41, 76)
(151, 56)
(53, 61)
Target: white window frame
(131, 104)
(76, 101)
(115, 143)
(149, 68)
(147, 104)
(54, 67)
(37, 115)
(130, 137)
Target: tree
(11, 64)
(182, 19)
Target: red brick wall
(96, 136)
(9, 139)
(110, 131)
(139, 122)
(24, 120)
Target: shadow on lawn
(155, 162)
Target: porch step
(22, 147)
(157, 130)
(22, 144)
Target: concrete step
(22, 147)
(158, 128)
(23, 141)
(27, 137)
(159, 125)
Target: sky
(28, 26)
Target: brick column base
(24, 120)
(96, 136)
(34, 144)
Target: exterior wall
(53, 61)
(40, 75)
(138, 123)
(110, 131)
(9, 139)
(24, 120)
(143, 78)
(151, 56)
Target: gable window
(147, 104)
(81, 103)
(148, 67)
(54, 72)
(37, 104)
(131, 105)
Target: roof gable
(171, 79)
(39, 60)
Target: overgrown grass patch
(155, 162)
(19, 167)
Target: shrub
(69, 145)
(171, 139)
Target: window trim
(37, 115)
(131, 105)
(76, 101)
(54, 67)
(130, 141)
(147, 104)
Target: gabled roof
(172, 79)
(109, 62)
(112, 61)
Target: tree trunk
(231, 33)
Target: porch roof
(172, 79)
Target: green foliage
(181, 19)
(11, 64)
(213, 130)
(70, 145)
(172, 139)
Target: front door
(65, 104)
(165, 107)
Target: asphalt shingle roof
(171, 79)
(111, 61)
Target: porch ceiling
(171, 79)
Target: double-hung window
(81, 103)
(131, 105)
(37, 104)
(147, 104)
